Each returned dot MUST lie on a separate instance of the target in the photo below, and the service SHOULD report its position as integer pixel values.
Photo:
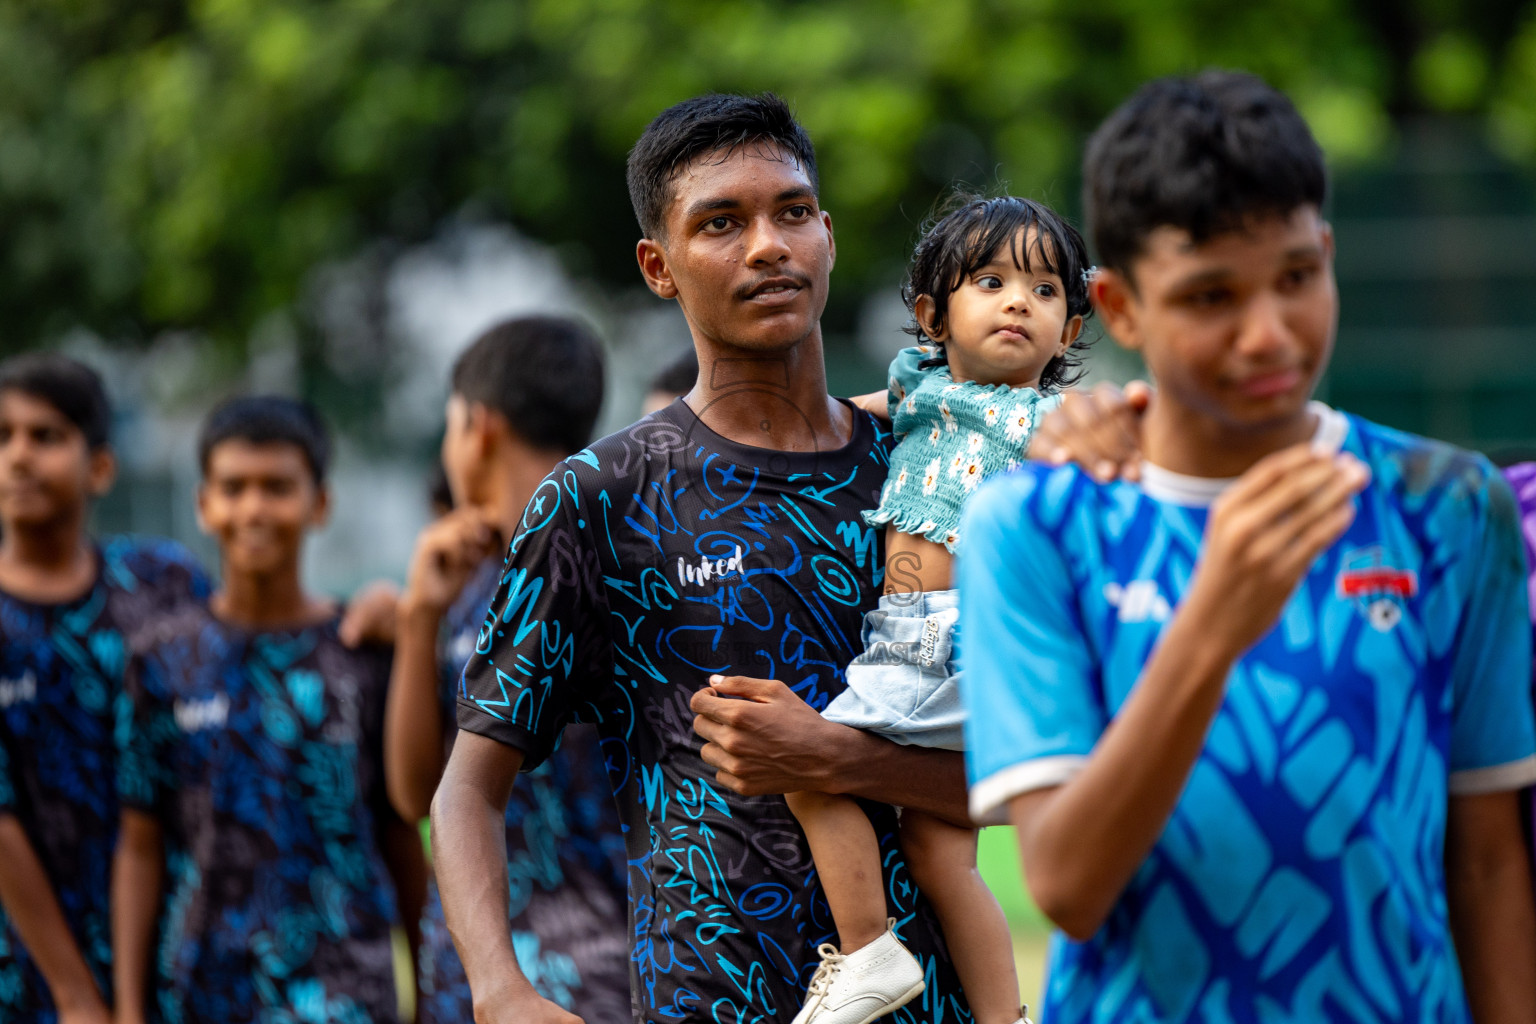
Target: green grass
(997, 857)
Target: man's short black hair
(268, 419)
(971, 231)
(543, 373)
(71, 387)
(679, 376)
(1205, 154)
(719, 124)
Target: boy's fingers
(1138, 395)
(1259, 499)
(1318, 537)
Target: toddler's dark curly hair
(967, 233)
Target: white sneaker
(864, 985)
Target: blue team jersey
(61, 666)
(565, 865)
(1301, 876)
(260, 754)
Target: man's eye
(717, 223)
(1296, 277)
(1209, 297)
(799, 211)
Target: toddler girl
(998, 295)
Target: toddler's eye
(1046, 290)
(989, 281)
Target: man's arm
(138, 878)
(469, 847)
(33, 908)
(1493, 911)
(406, 861)
(763, 738)
(1082, 841)
(446, 555)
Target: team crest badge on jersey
(1377, 587)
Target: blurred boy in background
(256, 833)
(67, 604)
(524, 395)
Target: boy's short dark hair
(71, 387)
(718, 123)
(679, 376)
(1205, 154)
(543, 373)
(968, 232)
(268, 419)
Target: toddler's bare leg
(942, 859)
(847, 857)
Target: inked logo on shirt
(709, 568)
(18, 691)
(1138, 601)
(196, 715)
(1378, 588)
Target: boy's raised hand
(1263, 535)
(1099, 430)
(446, 555)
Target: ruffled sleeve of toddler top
(952, 437)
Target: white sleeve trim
(1493, 779)
(989, 798)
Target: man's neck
(268, 600)
(513, 478)
(1181, 440)
(49, 563)
(775, 400)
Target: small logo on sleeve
(1379, 589)
(197, 715)
(21, 690)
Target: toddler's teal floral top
(952, 436)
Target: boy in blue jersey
(525, 394)
(1261, 719)
(256, 834)
(67, 604)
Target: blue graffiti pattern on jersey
(61, 666)
(565, 866)
(660, 555)
(261, 756)
(1301, 877)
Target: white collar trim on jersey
(1200, 491)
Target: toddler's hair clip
(1088, 276)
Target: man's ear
(652, 257)
(924, 311)
(322, 511)
(201, 503)
(102, 471)
(826, 222)
(1118, 306)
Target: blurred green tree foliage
(186, 165)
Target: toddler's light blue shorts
(905, 686)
